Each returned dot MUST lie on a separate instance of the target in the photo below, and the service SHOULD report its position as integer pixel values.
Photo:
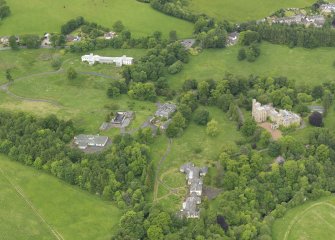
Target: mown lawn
(313, 220)
(241, 10)
(35, 16)
(306, 66)
(73, 213)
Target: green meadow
(35, 16)
(83, 99)
(35, 205)
(313, 220)
(305, 66)
(241, 10)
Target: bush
(212, 128)
(31, 41)
(56, 63)
(71, 73)
(316, 119)
(176, 67)
(201, 117)
(241, 54)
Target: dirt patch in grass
(275, 133)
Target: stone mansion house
(279, 118)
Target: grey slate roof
(90, 140)
(166, 110)
(194, 180)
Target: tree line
(121, 174)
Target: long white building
(119, 61)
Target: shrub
(201, 117)
(316, 119)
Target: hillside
(241, 10)
(34, 205)
(34, 16)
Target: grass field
(35, 16)
(84, 99)
(313, 220)
(241, 10)
(73, 213)
(306, 66)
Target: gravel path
(157, 181)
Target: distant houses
(187, 43)
(195, 182)
(110, 35)
(119, 61)
(84, 141)
(4, 40)
(120, 120)
(232, 38)
(314, 20)
(327, 8)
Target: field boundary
(20, 192)
(297, 218)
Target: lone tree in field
(315, 119)
(71, 73)
(212, 128)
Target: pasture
(35, 205)
(241, 10)
(305, 66)
(83, 99)
(35, 16)
(313, 220)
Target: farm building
(84, 141)
(166, 110)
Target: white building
(46, 40)
(327, 8)
(110, 35)
(282, 118)
(4, 40)
(119, 61)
